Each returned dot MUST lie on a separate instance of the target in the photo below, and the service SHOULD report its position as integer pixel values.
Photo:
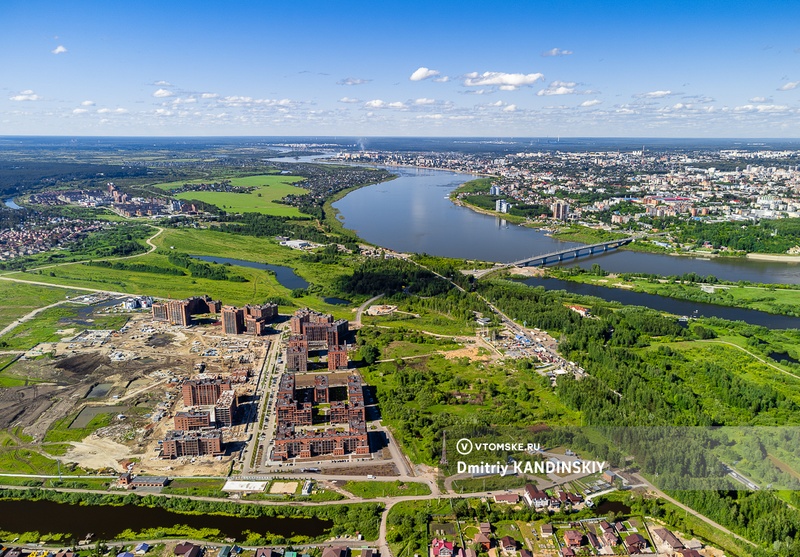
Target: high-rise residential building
(232, 320)
(560, 210)
(203, 392)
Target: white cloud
(789, 86)
(26, 95)
(760, 100)
(80, 111)
(352, 81)
(656, 94)
(87, 103)
(348, 100)
(762, 108)
(424, 101)
(430, 116)
(497, 103)
(162, 93)
(442, 79)
(510, 108)
(556, 52)
(508, 87)
(112, 111)
(378, 103)
(593, 102)
(423, 73)
(475, 79)
(60, 49)
(162, 83)
(556, 90)
(209, 95)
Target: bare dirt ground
(527, 271)
(470, 352)
(98, 453)
(283, 487)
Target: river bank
(777, 300)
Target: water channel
(107, 522)
(285, 275)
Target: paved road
(11, 326)
(363, 306)
(661, 495)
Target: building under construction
(180, 312)
(249, 320)
(192, 443)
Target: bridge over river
(570, 253)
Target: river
(670, 305)
(285, 275)
(414, 214)
(107, 522)
(11, 205)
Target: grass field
(374, 489)
(763, 298)
(261, 285)
(197, 487)
(20, 299)
(269, 188)
(60, 431)
(52, 320)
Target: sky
(436, 68)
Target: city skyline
(717, 69)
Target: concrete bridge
(571, 253)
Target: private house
(507, 498)
(508, 544)
(187, 549)
(535, 498)
(485, 528)
(483, 541)
(573, 538)
(668, 538)
(267, 552)
(547, 529)
(335, 552)
(439, 548)
(635, 543)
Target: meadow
(268, 190)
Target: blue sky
(460, 68)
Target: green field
(261, 285)
(374, 489)
(48, 322)
(19, 299)
(269, 189)
(771, 299)
(196, 487)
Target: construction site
(105, 398)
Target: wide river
(413, 213)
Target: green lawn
(20, 299)
(373, 489)
(196, 487)
(261, 284)
(269, 189)
(43, 328)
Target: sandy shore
(774, 257)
